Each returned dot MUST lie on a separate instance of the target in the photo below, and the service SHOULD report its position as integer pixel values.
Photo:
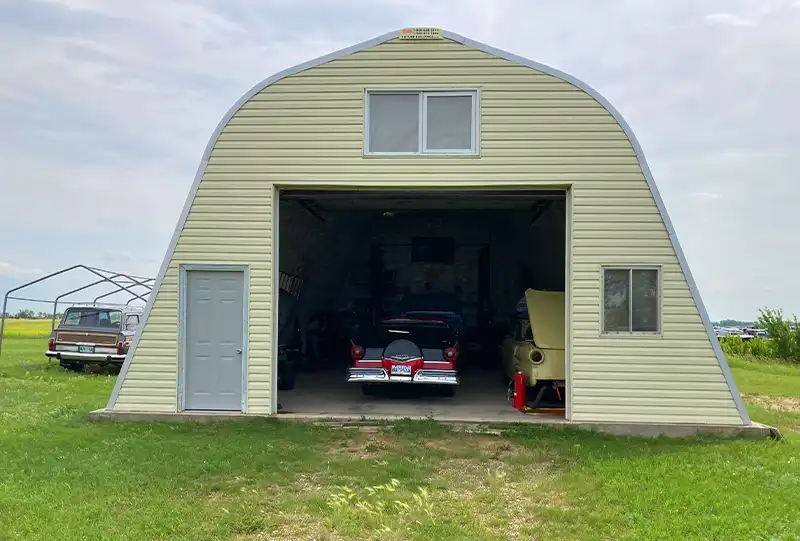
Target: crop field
(63, 477)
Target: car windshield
(424, 334)
(92, 317)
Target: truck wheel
(75, 366)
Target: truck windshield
(92, 317)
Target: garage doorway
(366, 256)
(213, 338)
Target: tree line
(26, 313)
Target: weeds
(386, 507)
(783, 342)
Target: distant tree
(24, 314)
(734, 323)
(43, 315)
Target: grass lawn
(63, 477)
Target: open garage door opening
(413, 303)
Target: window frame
(129, 316)
(659, 300)
(422, 108)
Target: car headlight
(536, 356)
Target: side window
(131, 322)
(631, 300)
(73, 317)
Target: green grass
(63, 477)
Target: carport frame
(411, 190)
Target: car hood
(546, 315)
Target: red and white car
(410, 350)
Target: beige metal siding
(236, 231)
(536, 129)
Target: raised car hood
(546, 314)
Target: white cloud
(7, 269)
(728, 18)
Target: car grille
(93, 337)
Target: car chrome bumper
(85, 357)
(423, 376)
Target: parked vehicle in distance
(93, 334)
(535, 345)
(723, 332)
(405, 350)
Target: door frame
(182, 281)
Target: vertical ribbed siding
(536, 129)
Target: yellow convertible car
(534, 345)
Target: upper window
(630, 300)
(421, 122)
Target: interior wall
(334, 255)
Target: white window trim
(423, 93)
(659, 292)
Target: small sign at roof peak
(421, 33)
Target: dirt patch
(490, 447)
(516, 491)
(778, 403)
(366, 446)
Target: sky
(106, 107)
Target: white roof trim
(490, 50)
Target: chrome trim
(75, 356)
(422, 377)
(367, 375)
(438, 377)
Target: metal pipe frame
(122, 285)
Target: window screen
(393, 123)
(422, 122)
(449, 122)
(630, 300)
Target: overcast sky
(106, 107)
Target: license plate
(401, 370)
(85, 349)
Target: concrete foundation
(479, 403)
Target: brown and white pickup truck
(93, 334)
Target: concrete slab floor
(481, 395)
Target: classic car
(534, 345)
(406, 350)
(93, 334)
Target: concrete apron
(476, 422)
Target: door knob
(239, 351)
